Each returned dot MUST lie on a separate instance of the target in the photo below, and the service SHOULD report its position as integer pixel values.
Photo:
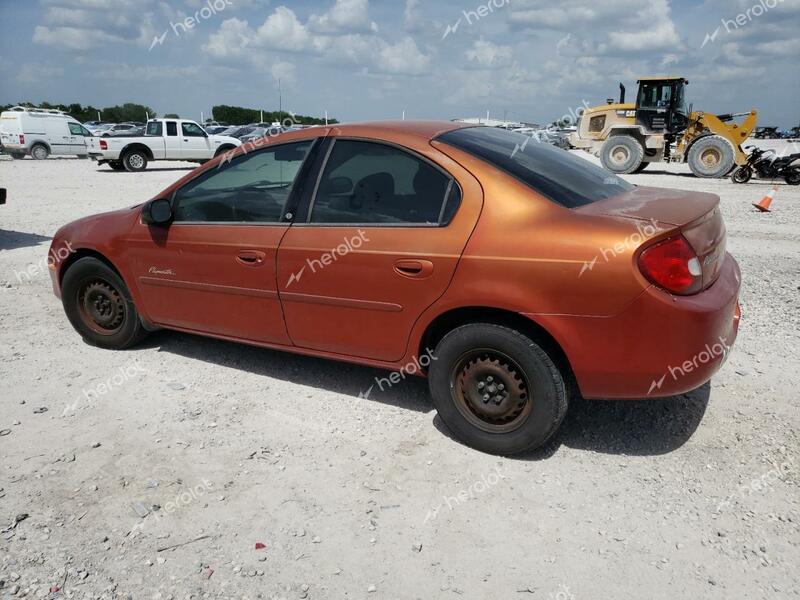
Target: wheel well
(147, 151)
(224, 148)
(84, 253)
(450, 320)
(633, 132)
(41, 143)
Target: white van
(41, 132)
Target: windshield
(556, 174)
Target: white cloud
(402, 58)
(487, 54)
(282, 30)
(346, 16)
(232, 39)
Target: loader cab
(661, 104)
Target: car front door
(374, 245)
(212, 269)
(194, 142)
(78, 138)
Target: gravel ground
(159, 472)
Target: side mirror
(157, 212)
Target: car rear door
(212, 270)
(374, 244)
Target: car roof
(426, 130)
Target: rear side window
(172, 128)
(565, 179)
(367, 182)
(154, 128)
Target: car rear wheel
(18, 155)
(135, 160)
(99, 305)
(116, 165)
(711, 157)
(621, 154)
(39, 151)
(496, 389)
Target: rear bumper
(660, 345)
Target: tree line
(130, 111)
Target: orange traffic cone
(763, 206)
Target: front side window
(556, 174)
(172, 128)
(253, 188)
(154, 128)
(192, 130)
(367, 182)
(78, 129)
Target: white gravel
(691, 497)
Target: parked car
(164, 139)
(512, 275)
(134, 131)
(545, 136)
(118, 129)
(215, 129)
(41, 132)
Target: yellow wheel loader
(660, 127)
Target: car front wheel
(99, 305)
(496, 389)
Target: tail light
(103, 145)
(22, 140)
(673, 265)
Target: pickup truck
(164, 139)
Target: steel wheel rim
(711, 157)
(620, 154)
(101, 307)
(39, 153)
(136, 161)
(491, 390)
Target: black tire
(99, 305)
(17, 155)
(621, 154)
(116, 165)
(742, 175)
(39, 152)
(135, 161)
(793, 176)
(711, 157)
(525, 412)
(641, 167)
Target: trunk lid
(695, 215)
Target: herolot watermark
(644, 231)
(211, 8)
(53, 258)
(417, 365)
(122, 376)
(472, 16)
(759, 484)
(743, 18)
(328, 258)
(708, 354)
(478, 487)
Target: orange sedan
(512, 274)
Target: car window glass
(252, 188)
(172, 128)
(367, 182)
(562, 177)
(154, 128)
(192, 130)
(75, 129)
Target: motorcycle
(768, 164)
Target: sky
(524, 60)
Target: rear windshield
(565, 179)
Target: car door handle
(251, 258)
(413, 267)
